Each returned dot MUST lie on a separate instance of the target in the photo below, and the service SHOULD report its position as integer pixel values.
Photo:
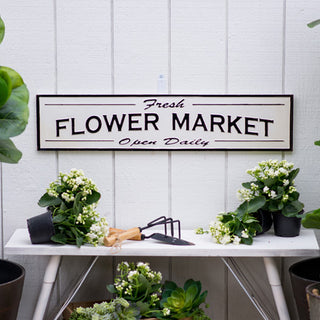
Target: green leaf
(311, 219)
(292, 209)
(111, 288)
(251, 206)
(2, 30)
(247, 241)
(48, 201)
(58, 218)
(79, 241)
(247, 185)
(143, 307)
(59, 238)
(8, 152)
(317, 143)
(191, 294)
(293, 174)
(14, 113)
(93, 198)
(77, 207)
(313, 23)
(5, 87)
(270, 182)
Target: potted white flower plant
(71, 218)
(116, 309)
(138, 284)
(274, 180)
(14, 114)
(237, 227)
(142, 287)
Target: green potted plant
(138, 284)
(14, 114)
(238, 226)
(182, 302)
(71, 218)
(274, 180)
(116, 309)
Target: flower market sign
(164, 122)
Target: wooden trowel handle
(114, 231)
(119, 237)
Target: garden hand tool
(116, 237)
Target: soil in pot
(302, 274)
(11, 285)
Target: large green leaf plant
(14, 111)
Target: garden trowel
(118, 235)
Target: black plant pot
(302, 274)
(265, 220)
(11, 285)
(286, 226)
(41, 228)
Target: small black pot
(11, 285)
(286, 226)
(265, 220)
(302, 274)
(41, 228)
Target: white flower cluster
(98, 231)
(271, 169)
(266, 171)
(166, 311)
(222, 234)
(68, 185)
(130, 279)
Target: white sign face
(164, 122)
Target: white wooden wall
(122, 46)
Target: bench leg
(275, 283)
(47, 284)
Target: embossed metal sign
(164, 122)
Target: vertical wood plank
(198, 65)
(302, 52)
(28, 48)
(141, 30)
(140, 56)
(255, 67)
(141, 45)
(84, 66)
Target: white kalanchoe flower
(244, 234)
(166, 311)
(285, 182)
(285, 198)
(273, 194)
(236, 240)
(292, 189)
